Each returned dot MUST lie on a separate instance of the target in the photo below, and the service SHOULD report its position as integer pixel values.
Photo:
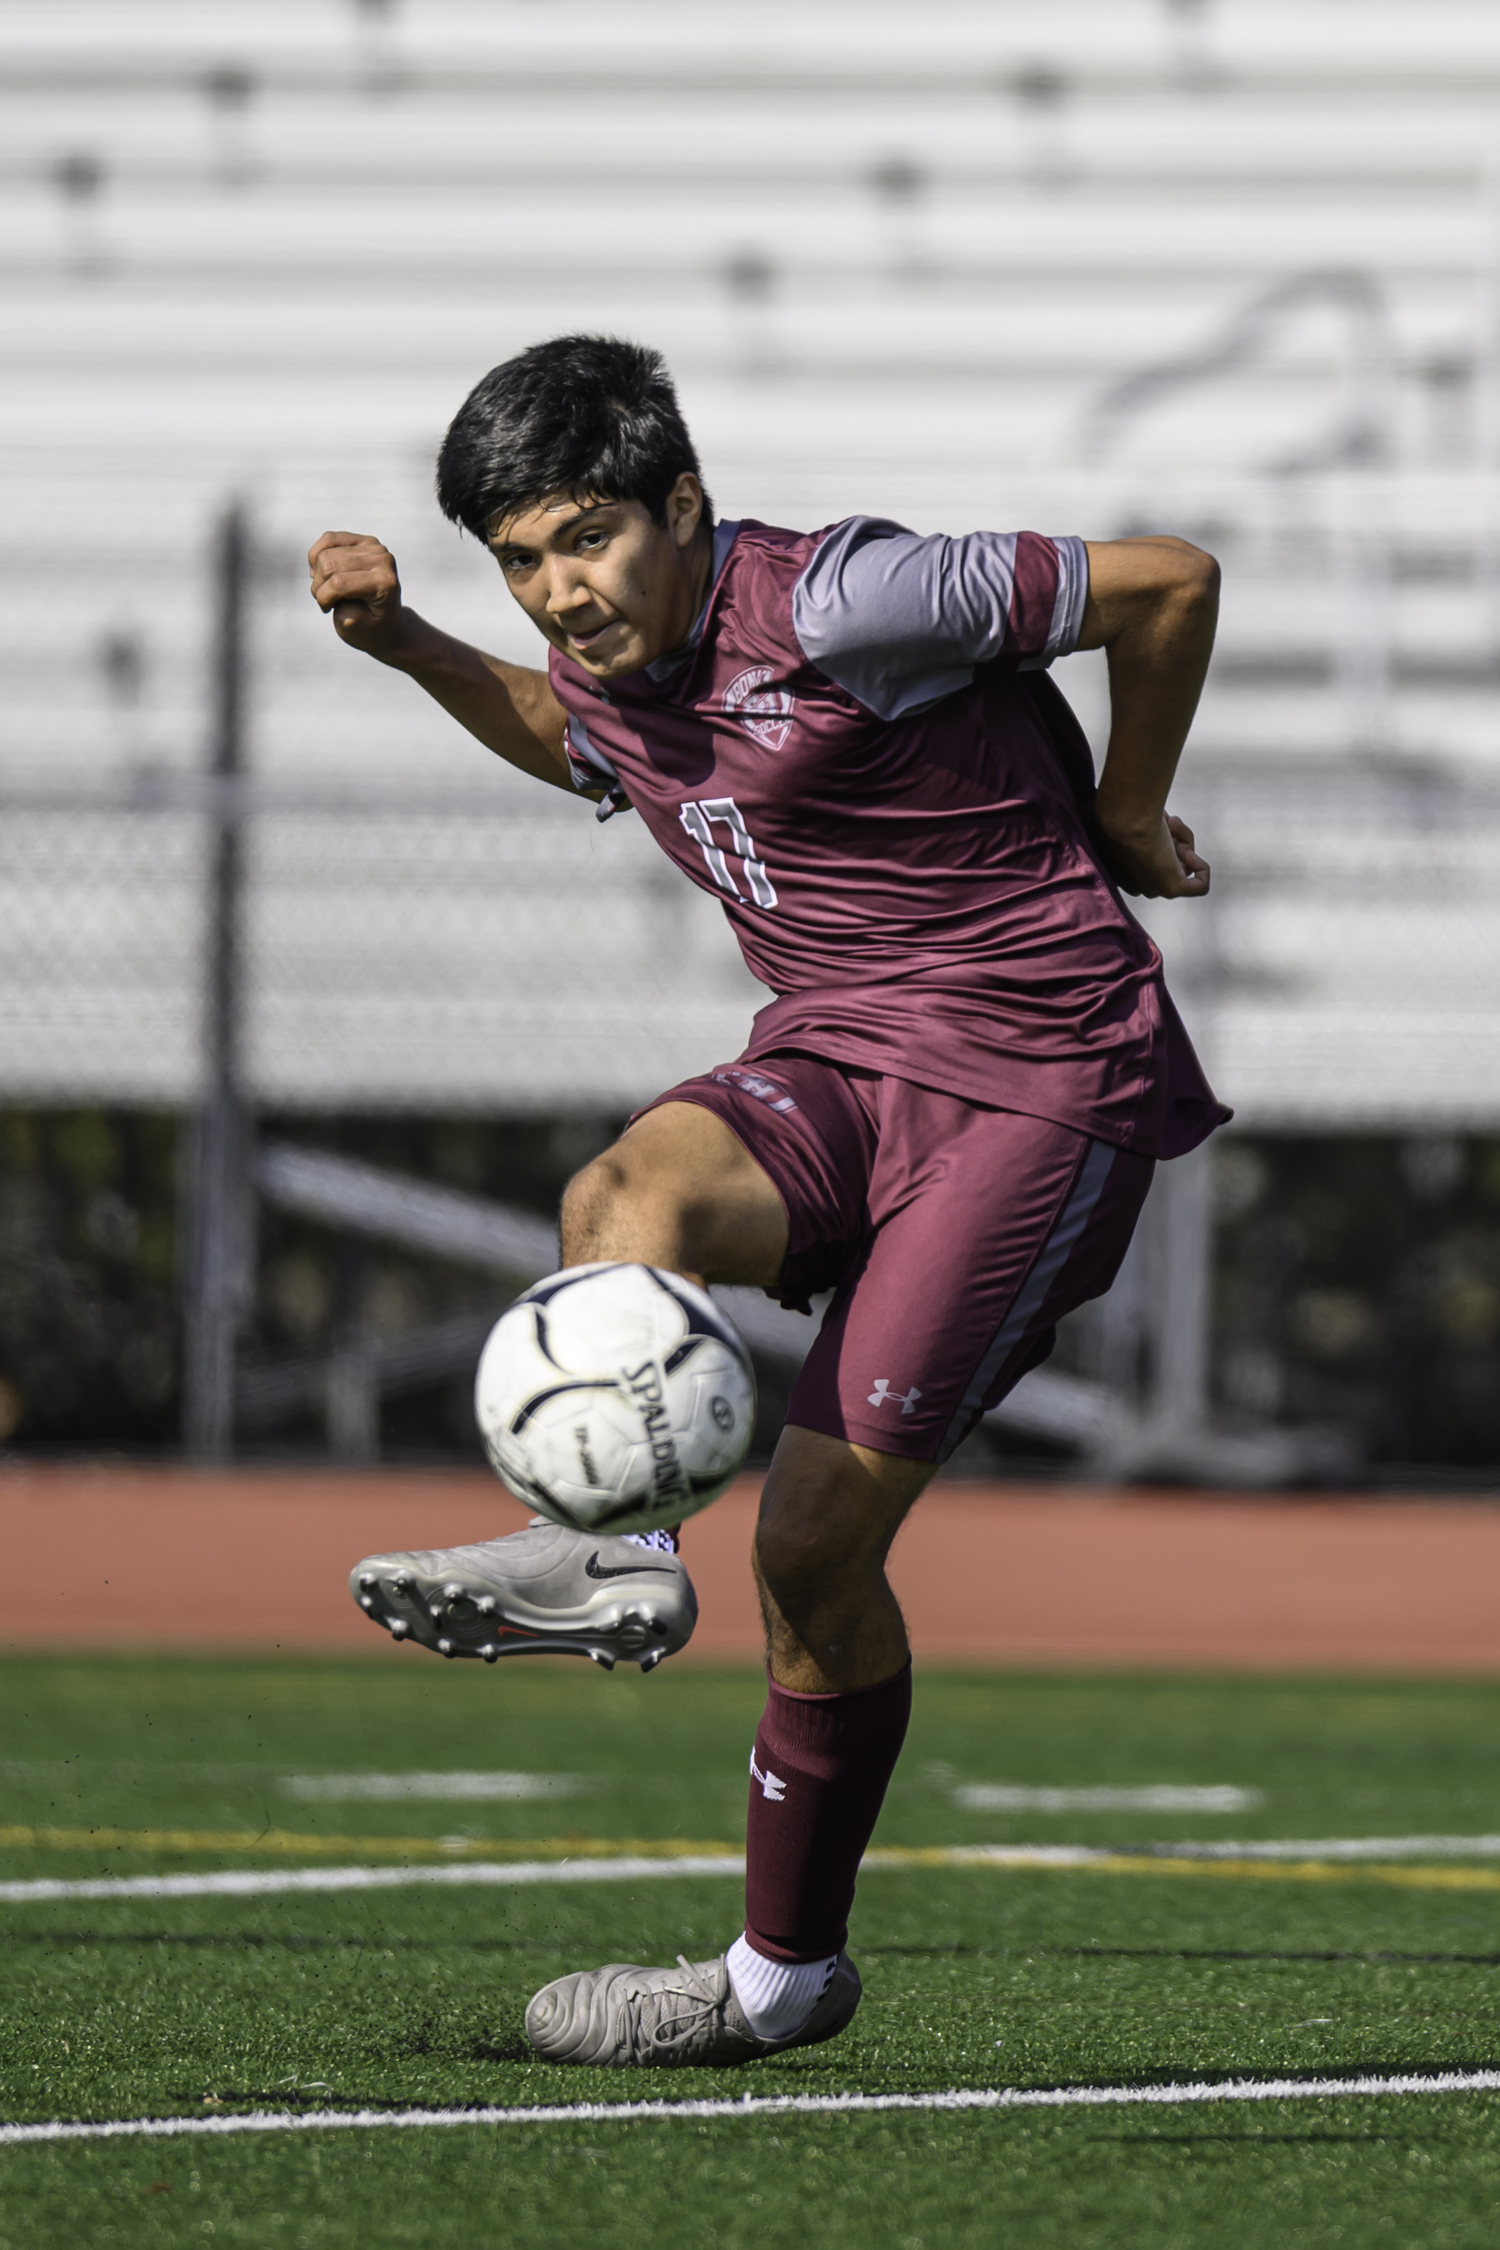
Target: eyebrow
(582, 510)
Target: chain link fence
(278, 896)
(418, 928)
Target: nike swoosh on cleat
(593, 1569)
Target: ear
(684, 509)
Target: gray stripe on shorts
(1032, 1295)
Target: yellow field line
(1257, 1870)
(1311, 1871)
(282, 1841)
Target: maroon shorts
(953, 1237)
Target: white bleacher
(897, 259)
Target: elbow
(1139, 588)
(1184, 596)
(1194, 578)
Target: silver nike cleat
(669, 2018)
(541, 1592)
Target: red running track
(987, 1574)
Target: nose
(567, 593)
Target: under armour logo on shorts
(883, 1391)
(771, 1784)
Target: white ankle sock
(662, 1542)
(777, 1997)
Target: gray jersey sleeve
(589, 769)
(901, 621)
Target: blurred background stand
(1166, 1434)
(218, 1278)
(1174, 1435)
(1231, 272)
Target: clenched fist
(354, 578)
(1158, 863)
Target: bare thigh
(678, 1190)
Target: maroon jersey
(859, 753)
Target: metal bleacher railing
(1227, 270)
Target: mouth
(591, 638)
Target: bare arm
(508, 707)
(1152, 605)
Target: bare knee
(798, 1564)
(594, 1202)
(828, 1514)
(677, 1190)
(629, 1206)
(810, 1560)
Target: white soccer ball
(615, 1398)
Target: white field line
(382, 1788)
(631, 1867)
(994, 1796)
(257, 1882)
(266, 1882)
(775, 2105)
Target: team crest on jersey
(762, 710)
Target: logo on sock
(883, 1392)
(772, 1787)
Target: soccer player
(949, 1112)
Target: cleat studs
(452, 1591)
(399, 1628)
(434, 1609)
(368, 1579)
(367, 1601)
(649, 1663)
(486, 1605)
(445, 1648)
(401, 1582)
(600, 1657)
(491, 1655)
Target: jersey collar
(662, 667)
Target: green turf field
(1037, 1977)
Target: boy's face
(605, 583)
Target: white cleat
(669, 2018)
(544, 1591)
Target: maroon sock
(819, 1772)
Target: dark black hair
(588, 417)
